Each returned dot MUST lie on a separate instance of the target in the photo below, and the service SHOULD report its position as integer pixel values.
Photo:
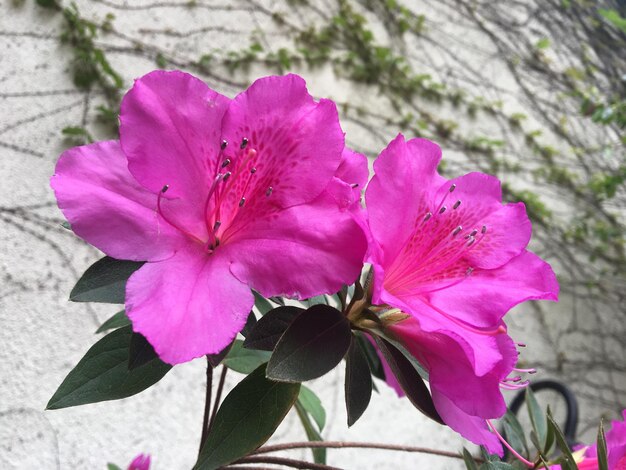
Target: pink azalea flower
(615, 445)
(218, 196)
(141, 462)
(451, 255)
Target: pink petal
(472, 428)
(189, 305)
(170, 127)
(400, 192)
(299, 252)
(294, 145)
(483, 298)
(349, 180)
(106, 206)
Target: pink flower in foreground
(218, 196)
(451, 255)
(141, 462)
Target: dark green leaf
(537, 417)
(116, 321)
(470, 463)
(319, 454)
(358, 383)
(318, 299)
(104, 281)
(112, 466)
(141, 351)
(246, 419)
(250, 322)
(217, 358)
(603, 463)
(271, 327)
(103, 374)
(409, 379)
(376, 366)
(496, 466)
(514, 433)
(278, 300)
(568, 462)
(312, 405)
(261, 303)
(312, 345)
(244, 360)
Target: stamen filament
(160, 212)
(508, 446)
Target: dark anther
(165, 188)
(226, 163)
(253, 170)
(224, 144)
(244, 143)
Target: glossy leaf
(312, 345)
(217, 358)
(244, 360)
(249, 326)
(603, 461)
(270, 328)
(358, 383)
(319, 454)
(104, 281)
(141, 351)
(409, 379)
(116, 321)
(103, 374)
(537, 417)
(376, 366)
(312, 405)
(568, 462)
(246, 419)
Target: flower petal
(293, 143)
(349, 180)
(106, 206)
(189, 305)
(170, 127)
(483, 298)
(472, 428)
(404, 183)
(300, 252)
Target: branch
(293, 463)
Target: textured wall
(43, 335)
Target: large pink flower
(218, 196)
(451, 255)
(615, 445)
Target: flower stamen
(508, 446)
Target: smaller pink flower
(451, 255)
(141, 462)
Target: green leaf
(319, 454)
(375, 364)
(613, 17)
(261, 303)
(470, 463)
(244, 360)
(312, 345)
(543, 43)
(102, 374)
(603, 462)
(116, 321)
(141, 351)
(78, 133)
(514, 433)
(537, 417)
(358, 383)
(104, 281)
(568, 462)
(318, 299)
(312, 405)
(247, 418)
(409, 379)
(249, 326)
(217, 358)
(271, 327)
(112, 466)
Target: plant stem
(207, 403)
(363, 445)
(218, 396)
(293, 463)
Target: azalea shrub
(244, 231)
